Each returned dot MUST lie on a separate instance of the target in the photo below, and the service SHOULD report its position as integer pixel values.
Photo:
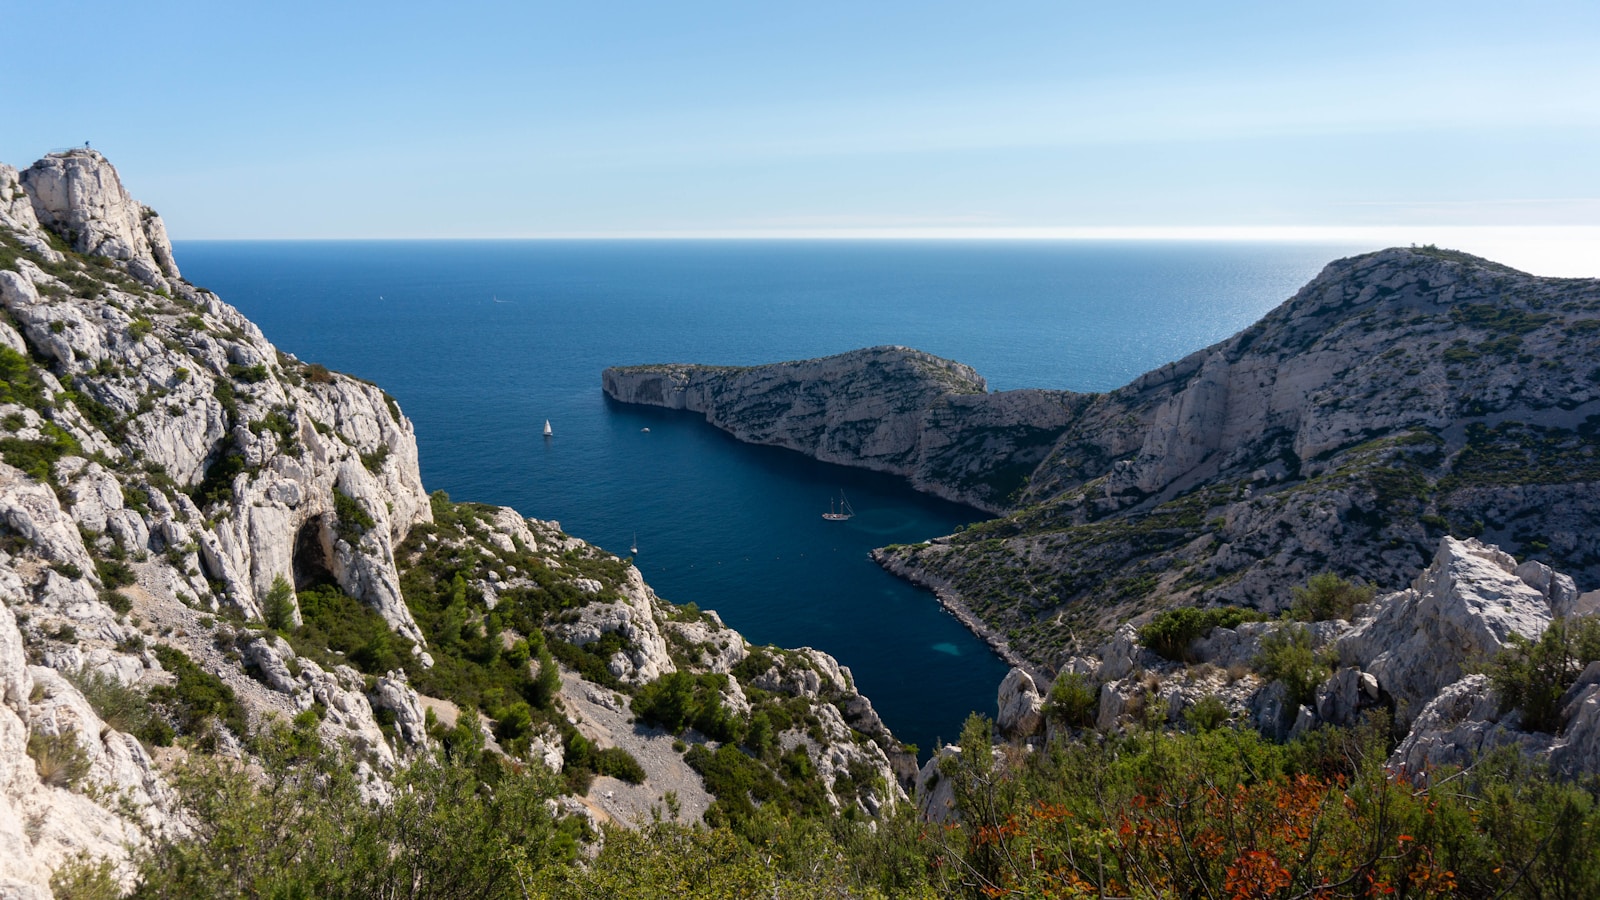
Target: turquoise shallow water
(481, 341)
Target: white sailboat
(547, 431)
(633, 548)
(841, 511)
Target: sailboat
(633, 548)
(547, 431)
(839, 512)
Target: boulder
(1462, 608)
(1021, 708)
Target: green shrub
(196, 697)
(1531, 676)
(122, 707)
(374, 461)
(85, 878)
(1073, 701)
(1170, 632)
(683, 700)
(334, 621)
(1207, 714)
(115, 573)
(118, 601)
(1286, 656)
(217, 485)
(300, 828)
(20, 382)
(38, 457)
(353, 520)
(248, 374)
(1327, 596)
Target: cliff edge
(888, 409)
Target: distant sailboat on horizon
(841, 511)
(547, 431)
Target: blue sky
(748, 118)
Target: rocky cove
(220, 560)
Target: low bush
(38, 457)
(59, 759)
(196, 698)
(1286, 656)
(1531, 676)
(1172, 631)
(122, 707)
(333, 620)
(1207, 713)
(1073, 701)
(353, 518)
(682, 700)
(1327, 596)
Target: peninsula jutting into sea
(1326, 576)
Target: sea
(483, 341)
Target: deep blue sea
(482, 341)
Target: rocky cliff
(204, 540)
(1398, 397)
(889, 409)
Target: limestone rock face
(632, 617)
(193, 385)
(78, 193)
(1021, 707)
(1463, 608)
(47, 817)
(891, 409)
(163, 463)
(1455, 727)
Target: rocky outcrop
(78, 195)
(165, 471)
(58, 761)
(189, 387)
(1021, 709)
(1463, 609)
(1408, 654)
(890, 409)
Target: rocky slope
(202, 538)
(1398, 397)
(1417, 655)
(889, 409)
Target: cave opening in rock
(310, 558)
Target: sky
(1403, 121)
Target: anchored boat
(839, 512)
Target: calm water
(482, 341)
